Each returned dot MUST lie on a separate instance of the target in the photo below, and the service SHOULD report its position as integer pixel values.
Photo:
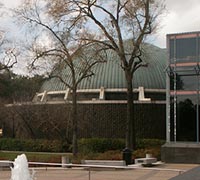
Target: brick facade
(53, 121)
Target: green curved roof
(111, 75)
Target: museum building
(108, 82)
(105, 95)
(102, 102)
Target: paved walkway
(193, 174)
(160, 172)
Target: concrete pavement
(161, 172)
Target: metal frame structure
(190, 68)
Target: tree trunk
(74, 122)
(130, 124)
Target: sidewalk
(160, 172)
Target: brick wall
(53, 121)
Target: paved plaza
(161, 172)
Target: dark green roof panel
(111, 75)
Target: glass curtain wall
(183, 76)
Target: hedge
(100, 145)
(29, 145)
(96, 145)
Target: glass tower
(183, 73)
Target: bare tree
(115, 22)
(58, 41)
(120, 20)
(8, 56)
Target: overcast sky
(181, 16)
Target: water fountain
(20, 170)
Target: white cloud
(10, 3)
(182, 16)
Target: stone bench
(104, 162)
(5, 164)
(145, 161)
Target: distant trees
(16, 88)
(8, 54)
(8, 58)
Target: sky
(180, 16)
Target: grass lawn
(34, 156)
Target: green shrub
(10, 144)
(89, 145)
(38, 145)
(148, 143)
(100, 145)
(110, 155)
